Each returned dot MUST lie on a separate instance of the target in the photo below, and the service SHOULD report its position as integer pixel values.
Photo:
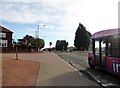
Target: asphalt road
(78, 60)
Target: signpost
(50, 43)
(16, 40)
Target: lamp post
(39, 28)
(38, 31)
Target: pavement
(54, 71)
(78, 60)
(19, 72)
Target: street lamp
(37, 32)
(39, 28)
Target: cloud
(62, 17)
(33, 12)
(60, 12)
(65, 13)
(57, 13)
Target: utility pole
(38, 27)
(38, 31)
(35, 33)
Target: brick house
(5, 39)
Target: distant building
(5, 39)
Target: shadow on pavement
(70, 79)
(101, 75)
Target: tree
(82, 38)
(39, 43)
(61, 45)
(33, 42)
(28, 39)
(58, 45)
(50, 43)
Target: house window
(3, 43)
(2, 35)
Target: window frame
(2, 35)
(3, 43)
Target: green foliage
(61, 45)
(33, 42)
(28, 39)
(39, 43)
(50, 43)
(82, 38)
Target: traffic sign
(15, 39)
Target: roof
(105, 33)
(3, 29)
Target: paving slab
(54, 71)
(19, 72)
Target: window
(109, 49)
(97, 48)
(3, 43)
(2, 35)
(113, 47)
(103, 48)
(91, 47)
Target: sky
(60, 17)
